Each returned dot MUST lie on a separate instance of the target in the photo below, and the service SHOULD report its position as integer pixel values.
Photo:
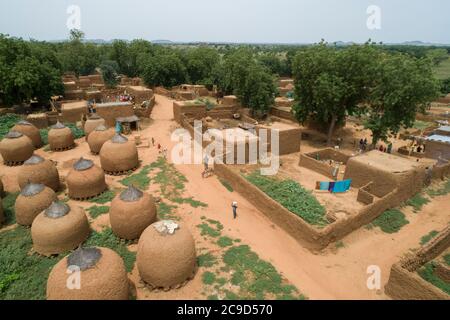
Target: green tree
(109, 72)
(403, 86)
(163, 69)
(330, 84)
(201, 64)
(28, 70)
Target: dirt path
(333, 274)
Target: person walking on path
(206, 162)
(234, 206)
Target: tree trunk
(331, 130)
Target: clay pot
(60, 138)
(30, 131)
(164, 259)
(59, 229)
(102, 276)
(119, 155)
(15, 148)
(131, 213)
(39, 170)
(85, 180)
(98, 137)
(32, 200)
(92, 123)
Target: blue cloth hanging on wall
(342, 186)
(324, 186)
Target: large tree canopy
(389, 88)
(402, 87)
(28, 70)
(330, 84)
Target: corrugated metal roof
(444, 128)
(440, 138)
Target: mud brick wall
(289, 141)
(404, 151)
(405, 284)
(40, 120)
(317, 166)
(436, 149)
(283, 114)
(73, 114)
(364, 195)
(408, 182)
(197, 111)
(279, 215)
(441, 172)
(74, 95)
(312, 238)
(110, 114)
(309, 161)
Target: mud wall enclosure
(111, 111)
(377, 194)
(405, 284)
(309, 161)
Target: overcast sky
(281, 21)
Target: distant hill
(162, 42)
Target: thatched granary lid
(84, 258)
(166, 227)
(13, 135)
(118, 138)
(101, 128)
(58, 125)
(131, 194)
(83, 164)
(35, 159)
(24, 123)
(32, 189)
(57, 210)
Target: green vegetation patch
(417, 202)
(447, 259)
(257, 278)
(166, 211)
(7, 121)
(443, 190)
(96, 211)
(140, 180)
(292, 196)
(427, 273)
(224, 242)
(108, 239)
(226, 184)
(206, 260)
(427, 238)
(23, 275)
(105, 197)
(194, 203)
(208, 277)
(211, 228)
(391, 221)
(8, 207)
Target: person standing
(153, 141)
(234, 205)
(206, 162)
